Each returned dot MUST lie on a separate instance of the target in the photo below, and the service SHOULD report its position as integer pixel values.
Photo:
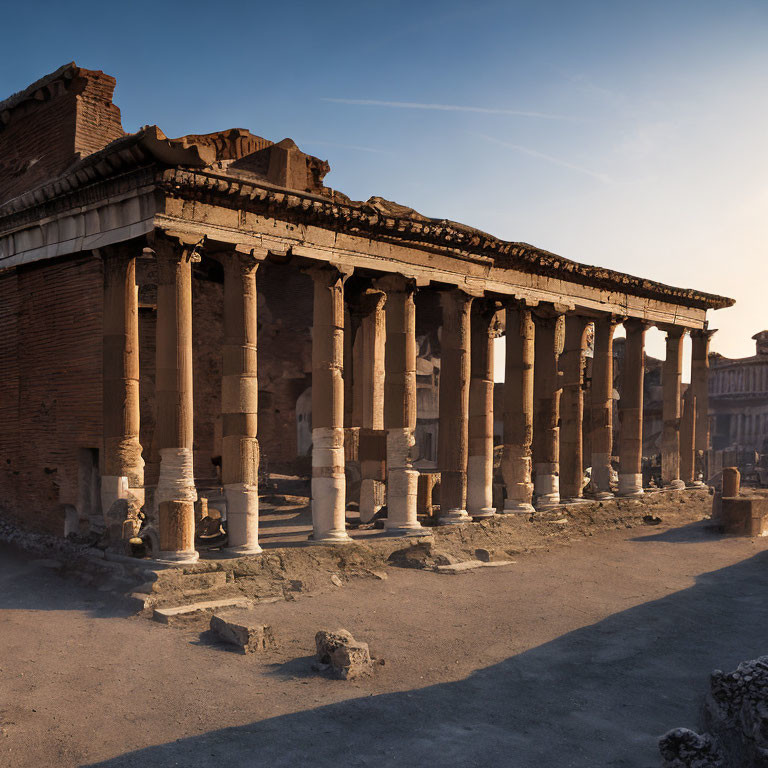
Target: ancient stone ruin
(142, 277)
(735, 723)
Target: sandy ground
(578, 656)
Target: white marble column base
(601, 476)
(242, 519)
(454, 517)
(372, 499)
(675, 485)
(514, 507)
(480, 486)
(329, 485)
(546, 487)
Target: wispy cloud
(449, 108)
(337, 145)
(548, 158)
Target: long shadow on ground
(598, 696)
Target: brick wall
(52, 126)
(50, 373)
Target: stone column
(123, 464)
(546, 407)
(240, 403)
(671, 386)
(328, 481)
(452, 445)
(400, 405)
(484, 329)
(687, 438)
(572, 409)
(176, 494)
(518, 408)
(631, 410)
(602, 407)
(700, 385)
(368, 396)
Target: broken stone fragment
(683, 748)
(347, 658)
(241, 629)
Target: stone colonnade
(543, 401)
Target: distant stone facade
(738, 399)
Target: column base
(698, 484)
(406, 530)
(546, 488)
(331, 537)
(602, 495)
(454, 517)
(245, 549)
(177, 558)
(630, 485)
(675, 485)
(512, 507)
(571, 500)
(483, 513)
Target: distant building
(738, 399)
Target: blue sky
(633, 135)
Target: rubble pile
(735, 723)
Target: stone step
(164, 615)
(471, 565)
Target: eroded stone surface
(244, 630)
(345, 657)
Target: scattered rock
(241, 628)
(164, 615)
(380, 575)
(335, 580)
(681, 748)
(470, 565)
(484, 555)
(651, 520)
(341, 655)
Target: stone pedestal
(546, 407)
(176, 494)
(400, 405)
(123, 463)
(518, 409)
(454, 406)
(602, 407)
(671, 384)
(239, 402)
(572, 409)
(328, 481)
(485, 329)
(631, 411)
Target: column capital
(609, 318)
(365, 302)
(703, 333)
(636, 324)
(328, 274)
(672, 331)
(394, 282)
(549, 311)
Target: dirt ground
(580, 654)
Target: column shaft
(480, 452)
(602, 407)
(631, 411)
(123, 463)
(518, 408)
(700, 384)
(452, 446)
(328, 481)
(572, 408)
(368, 395)
(687, 438)
(546, 414)
(240, 404)
(400, 405)
(671, 386)
(175, 495)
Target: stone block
(745, 515)
(242, 629)
(345, 657)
